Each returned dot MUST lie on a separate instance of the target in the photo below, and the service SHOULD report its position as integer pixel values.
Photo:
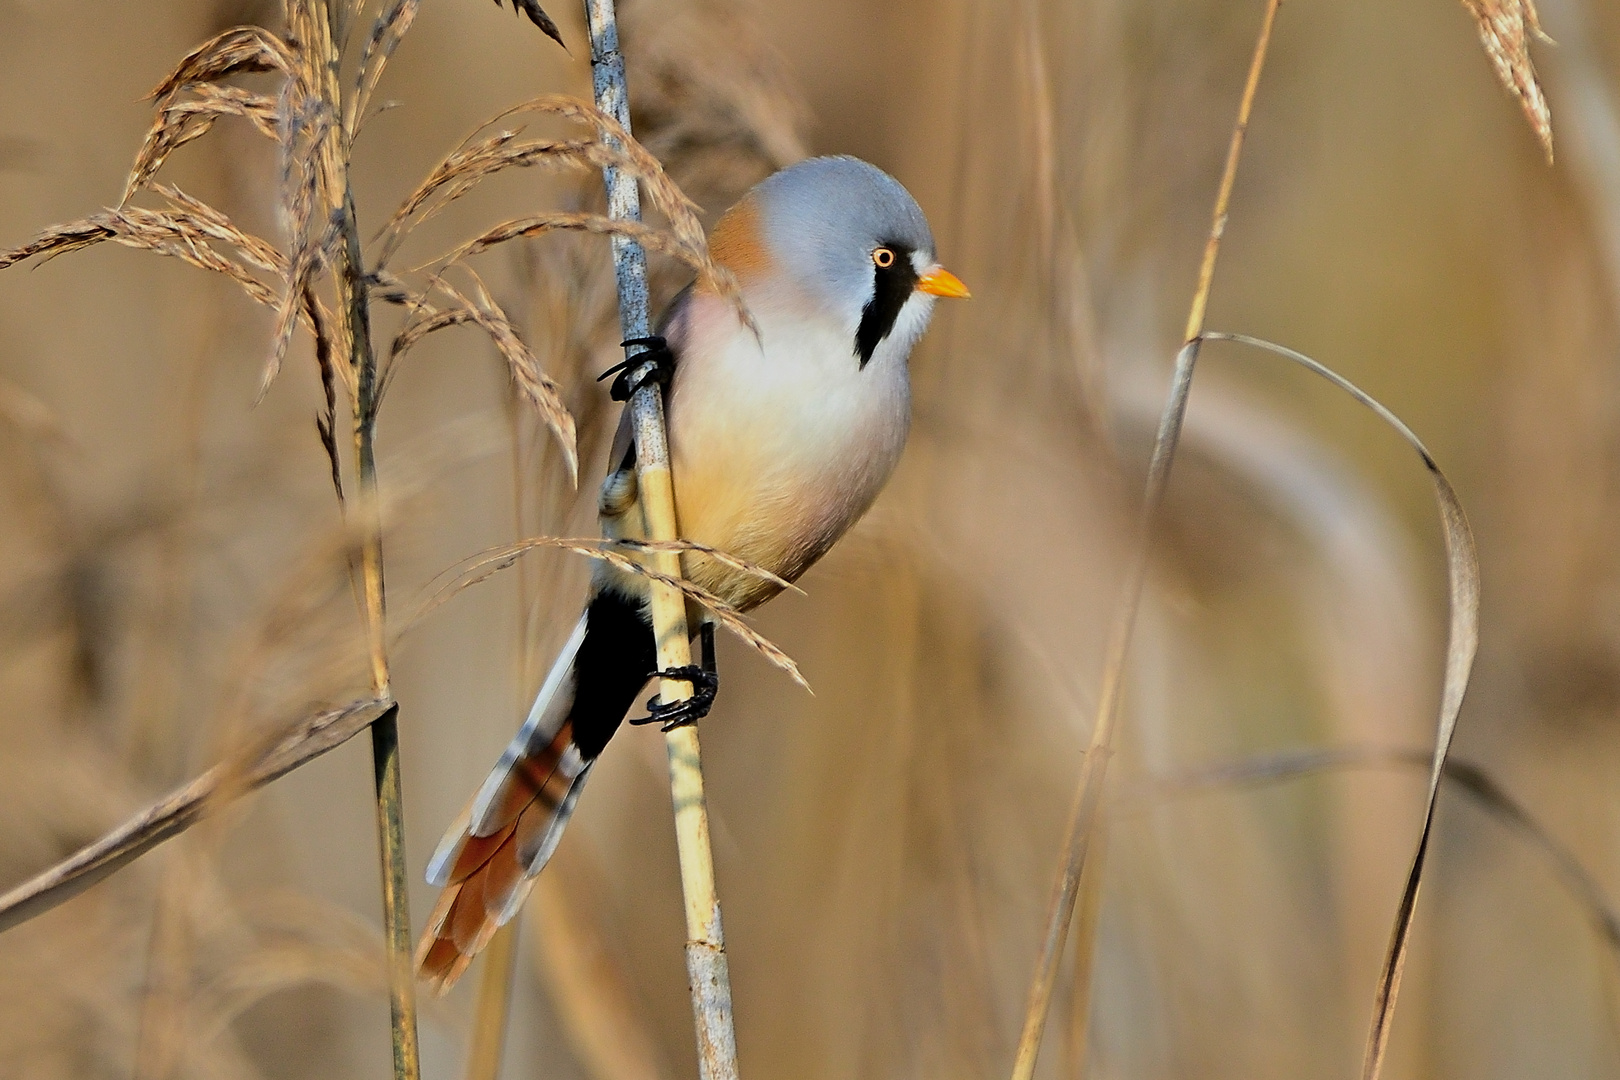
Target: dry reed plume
(314, 121)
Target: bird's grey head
(861, 244)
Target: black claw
(656, 351)
(705, 685)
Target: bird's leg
(654, 351)
(705, 682)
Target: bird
(784, 424)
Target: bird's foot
(633, 373)
(675, 714)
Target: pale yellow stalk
(705, 946)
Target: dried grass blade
(170, 131)
(613, 149)
(181, 122)
(486, 564)
(1462, 571)
(306, 121)
(721, 557)
(1505, 28)
(729, 616)
(1473, 779)
(1088, 795)
(468, 166)
(214, 223)
(542, 391)
(184, 807)
(648, 236)
(239, 49)
(309, 257)
(605, 1024)
(493, 1006)
(178, 234)
(393, 23)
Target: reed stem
(706, 967)
(355, 317)
(1088, 796)
(385, 731)
(494, 1005)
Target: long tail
(488, 861)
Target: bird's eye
(883, 258)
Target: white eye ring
(883, 258)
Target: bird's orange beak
(941, 282)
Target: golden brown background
(884, 847)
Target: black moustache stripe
(892, 287)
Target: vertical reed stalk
(1088, 796)
(355, 329)
(705, 946)
(492, 1012)
(494, 1005)
(1085, 954)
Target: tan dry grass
(879, 628)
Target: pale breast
(778, 444)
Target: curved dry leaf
(184, 807)
(1462, 642)
(358, 967)
(1505, 28)
(729, 616)
(1472, 779)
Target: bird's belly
(773, 467)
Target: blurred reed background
(169, 582)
